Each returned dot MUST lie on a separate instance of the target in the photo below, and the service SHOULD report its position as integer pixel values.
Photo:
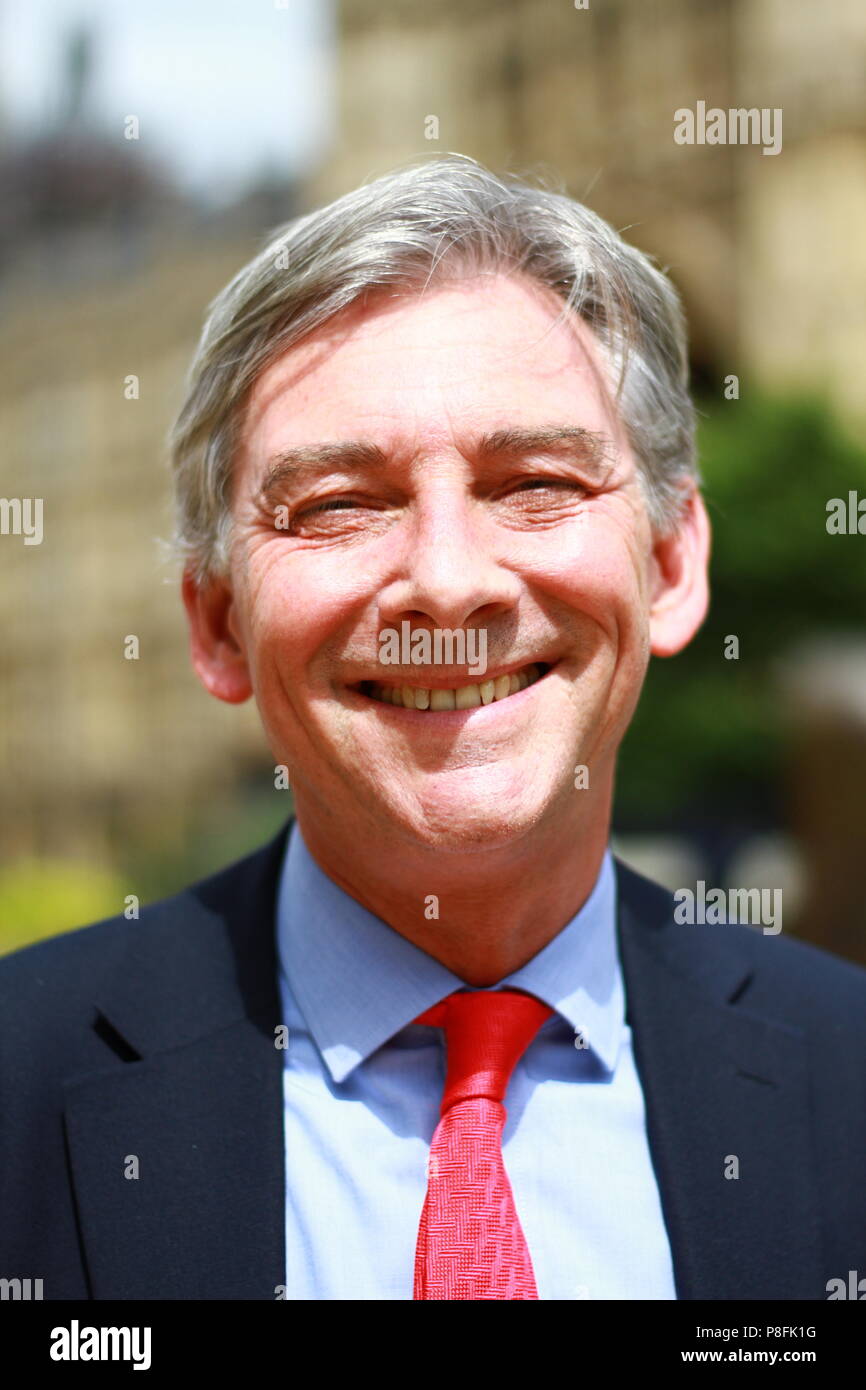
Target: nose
(448, 574)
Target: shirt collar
(357, 982)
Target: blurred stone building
(768, 250)
(106, 269)
(95, 748)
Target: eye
(328, 505)
(334, 517)
(534, 484)
(331, 504)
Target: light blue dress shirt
(363, 1084)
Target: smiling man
(435, 1042)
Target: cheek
(296, 611)
(598, 575)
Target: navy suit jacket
(153, 1040)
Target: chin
(467, 819)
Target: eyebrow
(587, 447)
(566, 441)
(293, 465)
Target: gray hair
(404, 231)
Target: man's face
(446, 461)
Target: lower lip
(450, 720)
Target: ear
(215, 647)
(680, 585)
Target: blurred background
(145, 154)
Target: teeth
(465, 697)
(442, 699)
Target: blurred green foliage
(225, 832)
(706, 739)
(39, 898)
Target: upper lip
(417, 676)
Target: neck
(483, 913)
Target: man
(438, 505)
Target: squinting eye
(333, 504)
(535, 483)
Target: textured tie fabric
(470, 1242)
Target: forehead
(458, 359)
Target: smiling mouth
(487, 692)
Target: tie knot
(485, 1034)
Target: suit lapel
(720, 1084)
(190, 1105)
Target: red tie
(470, 1242)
